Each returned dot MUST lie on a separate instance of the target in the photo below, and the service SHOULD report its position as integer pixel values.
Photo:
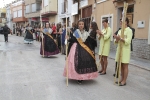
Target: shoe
(117, 82)
(79, 81)
(115, 75)
(122, 84)
(102, 73)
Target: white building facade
(9, 17)
(65, 6)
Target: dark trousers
(6, 37)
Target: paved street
(25, 75)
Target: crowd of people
(81, 43)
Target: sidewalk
(138, 62)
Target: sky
(6, 2)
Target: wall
(101, 10)
(27, 2)
(16, 8)
(140, 14)
(50, 8)
(53, 19)
(61, 16)
(141, 48)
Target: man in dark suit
(6, 31)
(73, 27)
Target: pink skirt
(72, 74)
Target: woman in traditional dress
(28, 35)
(126, 49)
(59, 32)
(91, 40)
(63, 35)
(81, 60)
(49, 46)
(104, 49)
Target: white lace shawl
(83, 35)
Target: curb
(135, 65)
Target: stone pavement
(25, 75)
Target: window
(46, 3)
(28, 9)
(34, 7)
(63, 9)
(20, 13)
(83, 3)
(38, 7)
(15, 14)
(3, 15)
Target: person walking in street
(81, 60)
(6, 31)
(59, 34)
(23, 31)
(126, 49)
(104, 49)
(49, 46)
(28, 35)
(33, 31)
(63, 35)
(54, 30)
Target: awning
(34, 19)
(45, 19)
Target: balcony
(33, 14)
(118, 1)
(2, 10)
(40, 1)
(19, 19)
(50, 9)
(33, 10)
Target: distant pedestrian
(6, 31)
(28, 35)
(63, 47)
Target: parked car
(1, 30)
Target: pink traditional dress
(81, 60)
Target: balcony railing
(3, 15)
(38, 0)
(118, 1)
